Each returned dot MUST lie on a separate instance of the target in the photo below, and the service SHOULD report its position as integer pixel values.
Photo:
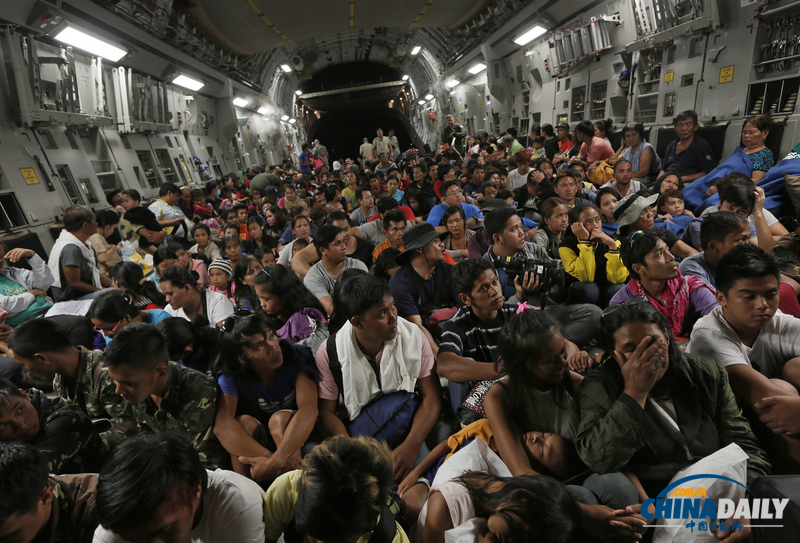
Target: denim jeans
(612, 489)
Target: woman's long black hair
(282, 282)
(520, 341)
(245, 296)
(534, 507)
(130, 277)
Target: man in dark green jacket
(651, 409)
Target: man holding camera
(504, 228)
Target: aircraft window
(150, 175)
(11, 215)
(86, 186)
(598, 105)
(137, 171)
(578, 103)
(180, 170)
(68, 182)
(669, 104)
(166, 167)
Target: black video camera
(549, 272)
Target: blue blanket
(772, 182)
(610, 228)
(675, 224)
(694, 194)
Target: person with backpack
(379, 368)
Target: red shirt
(407, 211)
(436, 187)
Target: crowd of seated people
(328, 350)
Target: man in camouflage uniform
(58, 429)
(163, 394)
(45, 349)
(54, 509)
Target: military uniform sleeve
(69, 441)
(107, 403)
(197, 417)
(612, 430)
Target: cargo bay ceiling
(285, 49)
(251, 39)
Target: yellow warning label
(669, 76)
(726, 74)
(29, 175)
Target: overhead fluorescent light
(292, 121)
(285, 118)
(286, 68)
(298, 92)
(416, 50)
(262, 110)
(429, 97)
(188, 83)
(83, 41)
(478, 68)
(240, 102)
(452, 83)
(530, 35)
(420, 102)
(405, 78)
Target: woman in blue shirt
(268, 405)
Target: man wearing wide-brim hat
(424, 282)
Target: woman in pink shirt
(593, 149)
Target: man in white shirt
(331, 244)
(154, 487)
(758, 345)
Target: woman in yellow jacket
(591, 259)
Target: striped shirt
(379, 248)
(468, 336)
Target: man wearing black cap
(424, 283)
